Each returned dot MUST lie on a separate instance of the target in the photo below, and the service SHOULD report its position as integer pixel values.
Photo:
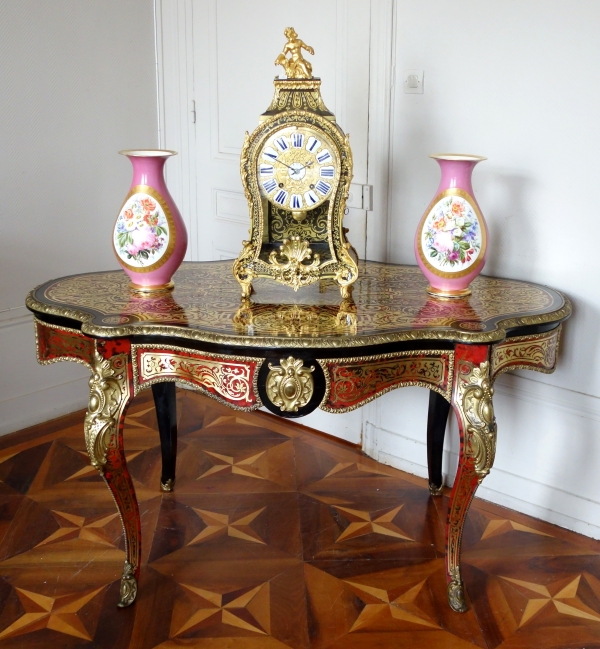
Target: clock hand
(288, 166)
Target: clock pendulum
(296, 171)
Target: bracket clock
(296, 171)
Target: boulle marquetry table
(294, 352)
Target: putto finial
(296, 66)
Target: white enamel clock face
(298, 168)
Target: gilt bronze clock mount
(296, 170)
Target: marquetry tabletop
(293, 352)
(388, 304)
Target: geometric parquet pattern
(274, 537)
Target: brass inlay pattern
(109, 394)
(230, 376)
(80, 345)
(536, 352)
(302, 95)
(390, 301)
(364, 378)
(290, 385)
(282, 224)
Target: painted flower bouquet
(452, 234)
(142, 231)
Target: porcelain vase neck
(456, 174)
(149, 171)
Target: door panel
(235, 45)
(215, 77)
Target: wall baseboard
(500, 487)
(534, 472)
(48, 403)
(30, 393)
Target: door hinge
(360, 197)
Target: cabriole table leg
(472, 403)
(111, 390)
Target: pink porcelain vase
(149, 237)
(451, 240)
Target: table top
(389, 304)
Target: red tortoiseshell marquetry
(231, 379)
(356, 381)
(58, 343)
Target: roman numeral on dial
(323, 187)
(281, 197)
(311, 198)
(297, 140)
(270, 185)
(270, 154)
(313, 144)
(268, 170)
(327, 172)
(282, 143)
(296, 202)
(324, 156)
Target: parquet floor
(275, 537)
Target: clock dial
(298, 170)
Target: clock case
(296, 253)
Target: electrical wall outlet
(413, 82)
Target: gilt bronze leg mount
(472, 402)
(111, 390)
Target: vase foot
(438, 292)
(151, 290)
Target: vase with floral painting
(149, 237)
(451, 240)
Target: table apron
(537, 352)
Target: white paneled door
(220, 74)
(216, 67)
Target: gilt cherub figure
(296, 66)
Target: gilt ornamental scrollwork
(129, 586)
(353, 382)
(472, 402)
(290, 385)
(229, 379)
(474, 397)
(456, 591)
(109, 394)
(298, 266)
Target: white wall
(78, 84)
(518, 82)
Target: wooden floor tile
(275, 537)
